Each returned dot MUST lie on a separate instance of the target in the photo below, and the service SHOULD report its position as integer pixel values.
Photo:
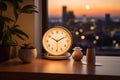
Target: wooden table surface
(14, 69)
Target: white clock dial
(57, 41)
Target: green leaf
(16, 6)
(18, 31)
(5, 19)
(20, 36)
(16, 26)
(28, 9)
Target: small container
(90, 56)
(77, 54)
(27, 55)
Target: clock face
(57, 40)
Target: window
(95, 22)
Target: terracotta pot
(27, 55)
(77, 54)
(6, 53)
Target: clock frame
(57, 41)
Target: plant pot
(27, 55)
(6, 53)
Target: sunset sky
(85, 7)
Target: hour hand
(53, 39)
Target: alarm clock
(57, 41)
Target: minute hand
(61, 38)
(54, 39)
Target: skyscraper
(108, 22)
(107, 19)
(64, 15)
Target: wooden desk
(42, 69)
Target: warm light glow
(92, 20)
(116, 45)
(92, 28)
(81, 30)
(94, 42)
(54, 67)
(82, 37)
(87, 7)
(114, 41)
(76, 33)
(97, 37)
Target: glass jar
(90, 56)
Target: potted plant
(27, 53)
(9, 27)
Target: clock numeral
(52, 32)
(57, 32)
(52, 48)
(48, 45)
(56, 50)
(65, 45)
(49, 36)
(67, 41)
(47, 41)
(61, 49)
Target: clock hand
(61, 38)
(57, 47)
(54, 39)
(58, 41)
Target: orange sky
(97, 7)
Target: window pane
(91, 22)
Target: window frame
(44, 19)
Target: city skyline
(85, 7)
